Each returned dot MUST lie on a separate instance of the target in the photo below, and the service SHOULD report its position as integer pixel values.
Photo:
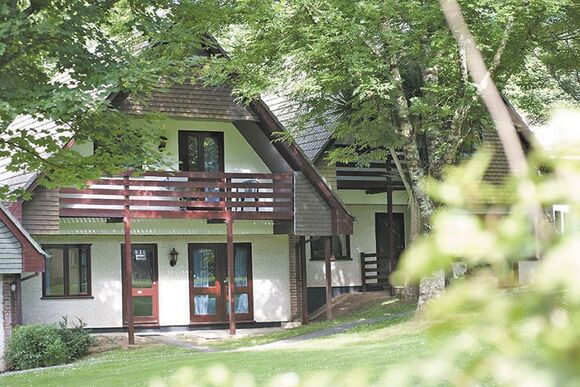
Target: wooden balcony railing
(183, 195)
(375, 271)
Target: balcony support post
(128, 267)
(303, 279)
(390, 222)
(328, 268)
(231, 274)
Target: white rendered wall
(527, 272)
(238, 153)
(270, 273)
(363, 207)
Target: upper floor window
(67, 271)
(339, 244)
(201, 151)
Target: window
(201, 151)
(561, 217)
(67, 271)
(340, 246)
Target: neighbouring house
(19, 253)
(559, 137)
(377, 198)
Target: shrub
(32, 346)
(76, 338)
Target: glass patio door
(242, 282)
(209, 282)
(205, 284)
(144, 283)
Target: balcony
(183, 195)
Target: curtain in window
(241, 267)
(203, 277)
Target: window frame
(66, 293)
(347, 257)
(182, 149)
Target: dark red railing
(184, 195)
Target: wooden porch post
(391, 236)
(231, 273)
(327, 266)
(128, 272)
(303, 278)
(18, 300)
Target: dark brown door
(385, 263)
(208, 282)
(145, 283)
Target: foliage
(537, 92)
(76, 337)
(507, 337)
(552, 67)
(64, 61)
(336, 61)
(383, 75)
(387, 76)
(33, 346)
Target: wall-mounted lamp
(173, 255)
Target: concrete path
(180, 343)
(326, 332)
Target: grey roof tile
(312, 138)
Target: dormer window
(201, 151)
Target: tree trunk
(431, 287)
(434, 285)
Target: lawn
(371, 348)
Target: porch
(216, 197)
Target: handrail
(204, 195)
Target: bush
(33, 346)
(76, 338)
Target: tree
(383, 74)
(60, 60)
(552, 77)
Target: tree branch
(455, 140)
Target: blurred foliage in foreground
(494, 335)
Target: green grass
(372, 347)
(372, 311)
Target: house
(377, 197)
(19, 253)
(158, 250)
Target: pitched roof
(32, 254)
(498, 169)
(22, 179)
(313, 138)
(342, 220)
(187, 100)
